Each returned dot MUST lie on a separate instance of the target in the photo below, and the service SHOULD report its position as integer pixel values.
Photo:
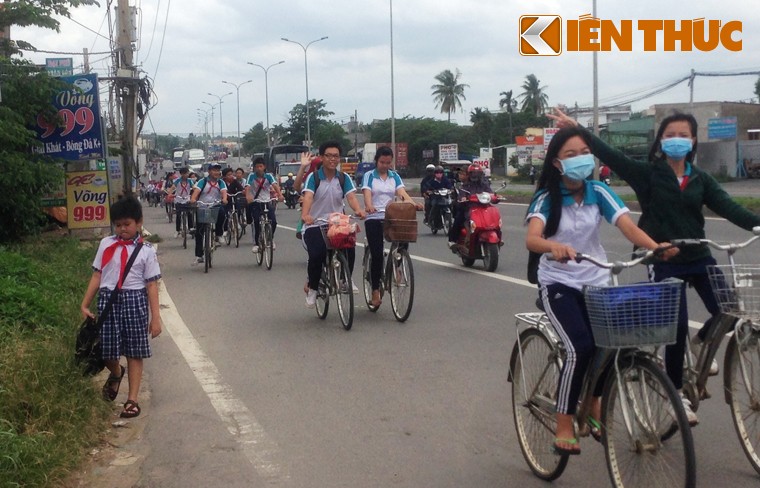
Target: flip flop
(561, 451)
(131, 410)
(595, 428)
(110, 393)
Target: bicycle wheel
(402, 284)
(184, 230)
(228, 229)
(323, 293)
(345, 295)
(637, 408)
(366, 283)
(169, 211)
(260, 243)
(742, 366)
(235, 229)
(535, 374)
(447, 223)
(268, 248)
(208, 235)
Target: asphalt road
(249, 388)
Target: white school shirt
(383, 191)
(144, 269)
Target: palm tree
(510, 104)
(448, 93)
(482, 124)
(535, 100)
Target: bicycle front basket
(737, 289)
(208, 215)
(641, 314)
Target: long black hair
(551, 177)
(655, 152)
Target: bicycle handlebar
(731, 248)
(616, 267)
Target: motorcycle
(440, 210)
(291, 197)
(481, 235)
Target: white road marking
(260, 449)
(494, 276)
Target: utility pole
(86, 60)
(126, 85)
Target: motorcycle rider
(429, 170)
(438, 182)
(475, 183)
(288, 184)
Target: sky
(187, 47)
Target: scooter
(440, 210)
(291, 198)
(481, 235)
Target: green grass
(49, 413)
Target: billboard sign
(548, 134)
(87, 198)
(448, 152)
(721, 128)
(58, 67)
(79, 136)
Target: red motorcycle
(481, 235)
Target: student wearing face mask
(563, 219)
(672, 192)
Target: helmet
(290, 175)
(429, 167)
(439, 168)
(474, 172)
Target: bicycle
(335, 279)
(234, 228)
(168, 202)
(182, 210)
(207, 213)
(737, 289)
(397, 278)
(639, 403)
(266, 239)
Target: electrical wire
(163, 36)
(91, 30)
(153, 35)
(66, 53)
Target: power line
(91, 30)
(80, 53)
(163, 36)
(153, 35)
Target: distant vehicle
(178, 154)
(285, 153)
(362, 168)
(348, 165)
(284, 168)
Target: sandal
(595, 428)
(131, 410)
(109, 392)
(561, 451)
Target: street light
(213, 134)
(306, 71)
(221, 122)
(266, 94)
(237, 89)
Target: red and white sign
(485, 164)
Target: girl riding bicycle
(380, 186)
(563, 219)
(672, 192)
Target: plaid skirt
(125, 330)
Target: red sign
(402, 153)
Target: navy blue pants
(317, 250)
(256, 210)
(566, 309)
(694, 273)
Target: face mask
(676, 147)
(578, 167)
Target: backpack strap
(341, 178)
(115, 292)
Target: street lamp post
(237, 89)
(306, 71)
(266, 94)
(213, 133)
(221, 122)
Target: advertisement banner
(448, 152)
(79, 137)
(87, 198)
(721, 128)
(485, 164)
(58, 67)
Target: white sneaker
(452, 245)
(255, 249)
(691, 417)
(224, 234)
(354, 288)
(177, 234)
(311, 298)
(198, 260)
(696, 347)
(273, 246)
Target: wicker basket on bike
(400, 224)
(340, 232)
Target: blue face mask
(676, 147)
(578, 167)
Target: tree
(482, 125)
(332, 131)
(757, 88)
(448, 93)
(297, 120)
(509, 104)
(26, 92)
(255, 140)
(534, 100)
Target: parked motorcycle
(291, 197)
(481, 235)
(440, 210)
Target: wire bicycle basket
(737, 289)
(208, 215)
(641, 314)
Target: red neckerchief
(184, 186)
(111, 250)
(684, 181)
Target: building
(607, 115)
